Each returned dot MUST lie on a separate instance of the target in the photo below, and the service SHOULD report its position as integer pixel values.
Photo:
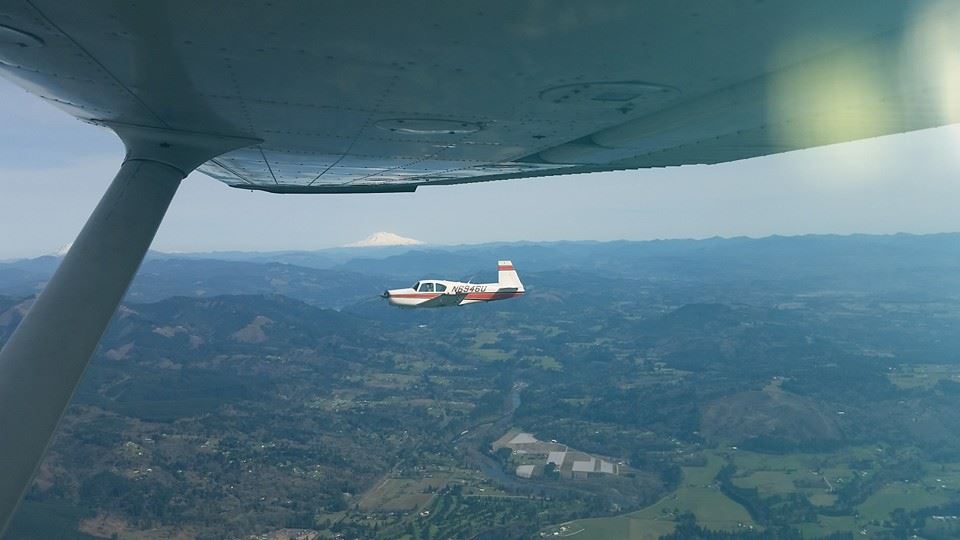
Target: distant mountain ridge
(340, 277)
(161, 278)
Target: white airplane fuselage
(445, 293)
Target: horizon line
(425, 245)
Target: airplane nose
(386, 294)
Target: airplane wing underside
(368, 96)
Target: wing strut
(42, 363)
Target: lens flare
(930, 60)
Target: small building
(582, 469)
(525, 471)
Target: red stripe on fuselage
(416, 295)
(504, 268)
(492, 295)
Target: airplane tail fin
(507, 276)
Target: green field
(772, 482)
(698, 494)
(623, 527)
(828, 525)
(548, 363)
(815, 476)
(900, 495)
(491, 355)
(923, 376)
(400, 494)
(822, 499)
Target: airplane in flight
(389, 97)
(430, 293)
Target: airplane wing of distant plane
(444, 300)
(370, 96)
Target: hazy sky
(53, 170)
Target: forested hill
(806, 386)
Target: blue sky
(54, 168)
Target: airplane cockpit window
(440, 287)
(416, 286)
(426, 287)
